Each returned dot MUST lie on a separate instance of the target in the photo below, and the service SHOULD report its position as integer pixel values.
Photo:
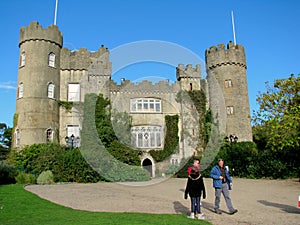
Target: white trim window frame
(149, 137)
(22, 59)
(145, 105)
(21, 90)
(51, 59)
(73, 92)
(50, 90)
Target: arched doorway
(147, 164)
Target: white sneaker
(200, 216)
(192, 216)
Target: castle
(50, 75)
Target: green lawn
(17, 206)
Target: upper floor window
(146, 136)
(49, 135)
(22, 59)
(20, 90)
(51, 90)
(229, 110)
(51, 59)
(228, 83)
(74, 92)
(145, 105)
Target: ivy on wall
(171, 139)
(108, 137)
(199, 100)
(67, 105)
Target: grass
(18, 206)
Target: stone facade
(50, 76)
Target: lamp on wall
(231, 138)
(72, 141)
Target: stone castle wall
(92, 70)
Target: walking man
(222, 183)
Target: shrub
(7, 173)
(67, 165)
(46, 177)
(25, 178)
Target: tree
(277, 123)
(5, 140)
(279, 113)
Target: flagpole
(55, 12)
(233, 29)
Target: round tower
(37, 112)
(228, 90)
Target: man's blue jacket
(215, 175)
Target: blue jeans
(195, 204)
(224, 190)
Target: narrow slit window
(22, 59)
(51, 59)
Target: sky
(269, 31)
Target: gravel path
(260, 202)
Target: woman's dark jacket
(195, 186)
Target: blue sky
(269, 30)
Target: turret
(189, 77)
(37, 115)
(228, 90)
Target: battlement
(232, 55)
(144, 86)
(188, 71)
(83, 59)
(35, 32)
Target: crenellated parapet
(83, 59)
(188, 71)
(144, 86)
(231, 55)
(35, 32)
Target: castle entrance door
(147, 164)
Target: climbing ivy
(108, 137)
(67, 105)
(199, 100)
(171, 139)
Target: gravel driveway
(261, 202)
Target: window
(50, 90)
(22, 59)
(17, 137)
(51, 59)
(146, 136)
(229, 110)
(49, 135)
(74, 92)
(150, 105)
(21, 90)
(228, 83)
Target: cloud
(7, 85)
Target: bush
(25, 178)
(240, 157)
(67, 165)
(45, 177)
(7, 174)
